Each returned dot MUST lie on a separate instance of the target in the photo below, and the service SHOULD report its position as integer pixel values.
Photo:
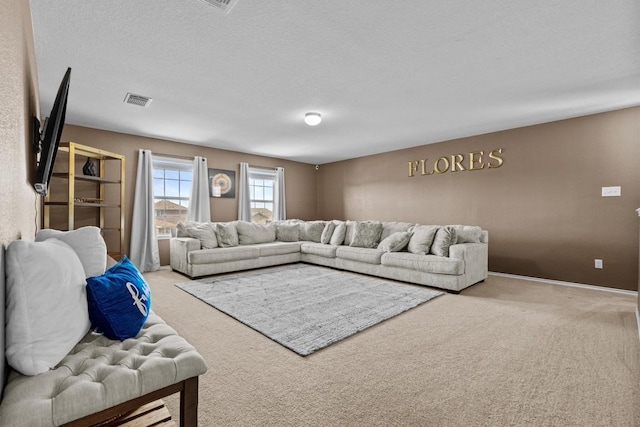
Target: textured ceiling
(385, 75)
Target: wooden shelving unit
(105, 207)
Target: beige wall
(300, 178)
(543, 207)
(18, 103)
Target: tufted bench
(101, 379)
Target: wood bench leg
(189, 403)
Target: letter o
(436, 165)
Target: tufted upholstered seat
(101, 378)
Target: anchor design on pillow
(138, 300)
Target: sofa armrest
(475, 257)
(179, 248)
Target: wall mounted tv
(46, 142)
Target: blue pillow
(119, 301)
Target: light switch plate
(611, 191)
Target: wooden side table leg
(189, 403)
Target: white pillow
(47, 312)
(87, 242)
(395, 242)
(204, 232)
(338, 233)
(325, 238)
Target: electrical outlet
(611, 191)
(599, 264)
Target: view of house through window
(261, 193)
(171, 190)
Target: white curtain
(244, 193)
(279, 205)
(199, 206)
(143, 248)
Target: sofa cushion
(366, 255)
(337, 238)
(327, 233)
(445, 237)
(232, 253)
(227, 234)
(366, 234)
(204, 231)
(278, 248)
(46, 304)
(288, 232)
(88, 244)
(327, 251)
(422, 238)
(388, 228)
(119, 301)
(467, 233)
(395, 242)
(425, 263)
(250, 233)
(311, 231)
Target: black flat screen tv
(47, 141)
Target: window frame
(173, 164)
(264, 174)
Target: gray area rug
(307, 307)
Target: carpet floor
(307, 307)
(506, 352)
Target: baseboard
(571, 284)
(638, 320)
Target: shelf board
(94, 205)
(87, 178)
(84, 204)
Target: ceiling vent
(225, 5)
(139, 100)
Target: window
(261, 182)
(171, 191)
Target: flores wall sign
(474, 161)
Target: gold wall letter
(473, 160)
(496, 155)
(456, 162)
(413, 167)
(423, 163)
(436, 165)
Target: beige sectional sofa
(451, 257)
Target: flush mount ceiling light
(312, 119)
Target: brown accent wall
(18, 103)
(543, 207)
(300, 178)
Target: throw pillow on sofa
(88, 244)
(445, 237)
(227, 235)
(348, 234)
(325, 238)
(339, 233)
(422, 238)
(311, 231)
(388, 228)
(251, 233)
(203, 232)
(181, 228)
(46, 304)
(288, 232)
(395, 242)
(119, 301)
(366, 234)
(467, 233)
